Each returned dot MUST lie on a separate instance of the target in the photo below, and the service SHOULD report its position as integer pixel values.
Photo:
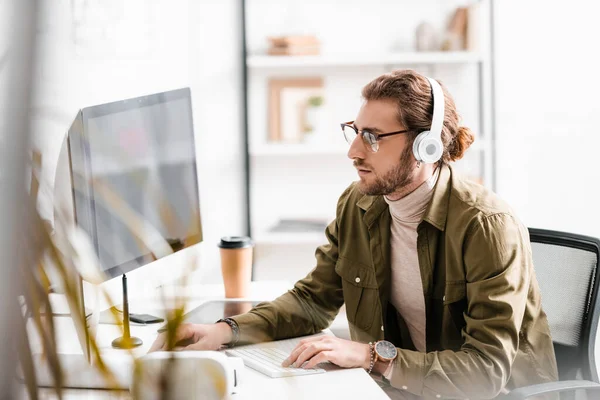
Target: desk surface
(343, 383)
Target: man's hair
(411, 91)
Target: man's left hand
(341, 352)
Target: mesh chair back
(566, 267)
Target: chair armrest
(551, 387)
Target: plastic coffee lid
(235, 242)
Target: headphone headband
(437, 121)
(428, 146)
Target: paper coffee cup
(236, 265)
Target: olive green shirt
(485, 328)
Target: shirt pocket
(454, 292)
(454, 305)
(360, 292)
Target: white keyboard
(267, 357)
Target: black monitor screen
(133, 168)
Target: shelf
(281, 238)
(292, 149)
(350, 60)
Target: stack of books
(294, 45)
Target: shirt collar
(435, 214)
(437, 211)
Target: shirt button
(404, 388)
(357, 280)
(382, 328)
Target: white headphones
(428, 147)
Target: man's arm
(498, 268)
(309, 307)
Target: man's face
(392, 167)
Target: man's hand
(196, 337)
(341, 352)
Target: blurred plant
(311, 114)
(65, 253)
(315, 101)
(34, 251)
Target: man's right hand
(196, 337)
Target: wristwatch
(385, 351)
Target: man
(435, 271)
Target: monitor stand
(126, 341)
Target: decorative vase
(426, 37)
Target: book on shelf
(474, 18)
(293, 40)
(293, 45)
(458, 23)
(464, 29)
(293, 51)
(456, 33)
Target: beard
(401, 175)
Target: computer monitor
(132, 164)
(135, 159)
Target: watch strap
(373, 357)
(235, 330)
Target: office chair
(566, 267)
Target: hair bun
(463, 139)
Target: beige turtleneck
(406, 293)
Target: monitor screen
(133, 169)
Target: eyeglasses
(370, 139)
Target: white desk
(343, 383)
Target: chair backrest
(566, 267)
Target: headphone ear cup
(431, 150)
(417, 143)
(427, 149)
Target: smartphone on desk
(145, 319)
(214, 310)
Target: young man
(435, 271)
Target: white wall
(547, 105)
(95, 52)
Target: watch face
(386, 350)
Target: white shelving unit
(357, 60)
(306, 179)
